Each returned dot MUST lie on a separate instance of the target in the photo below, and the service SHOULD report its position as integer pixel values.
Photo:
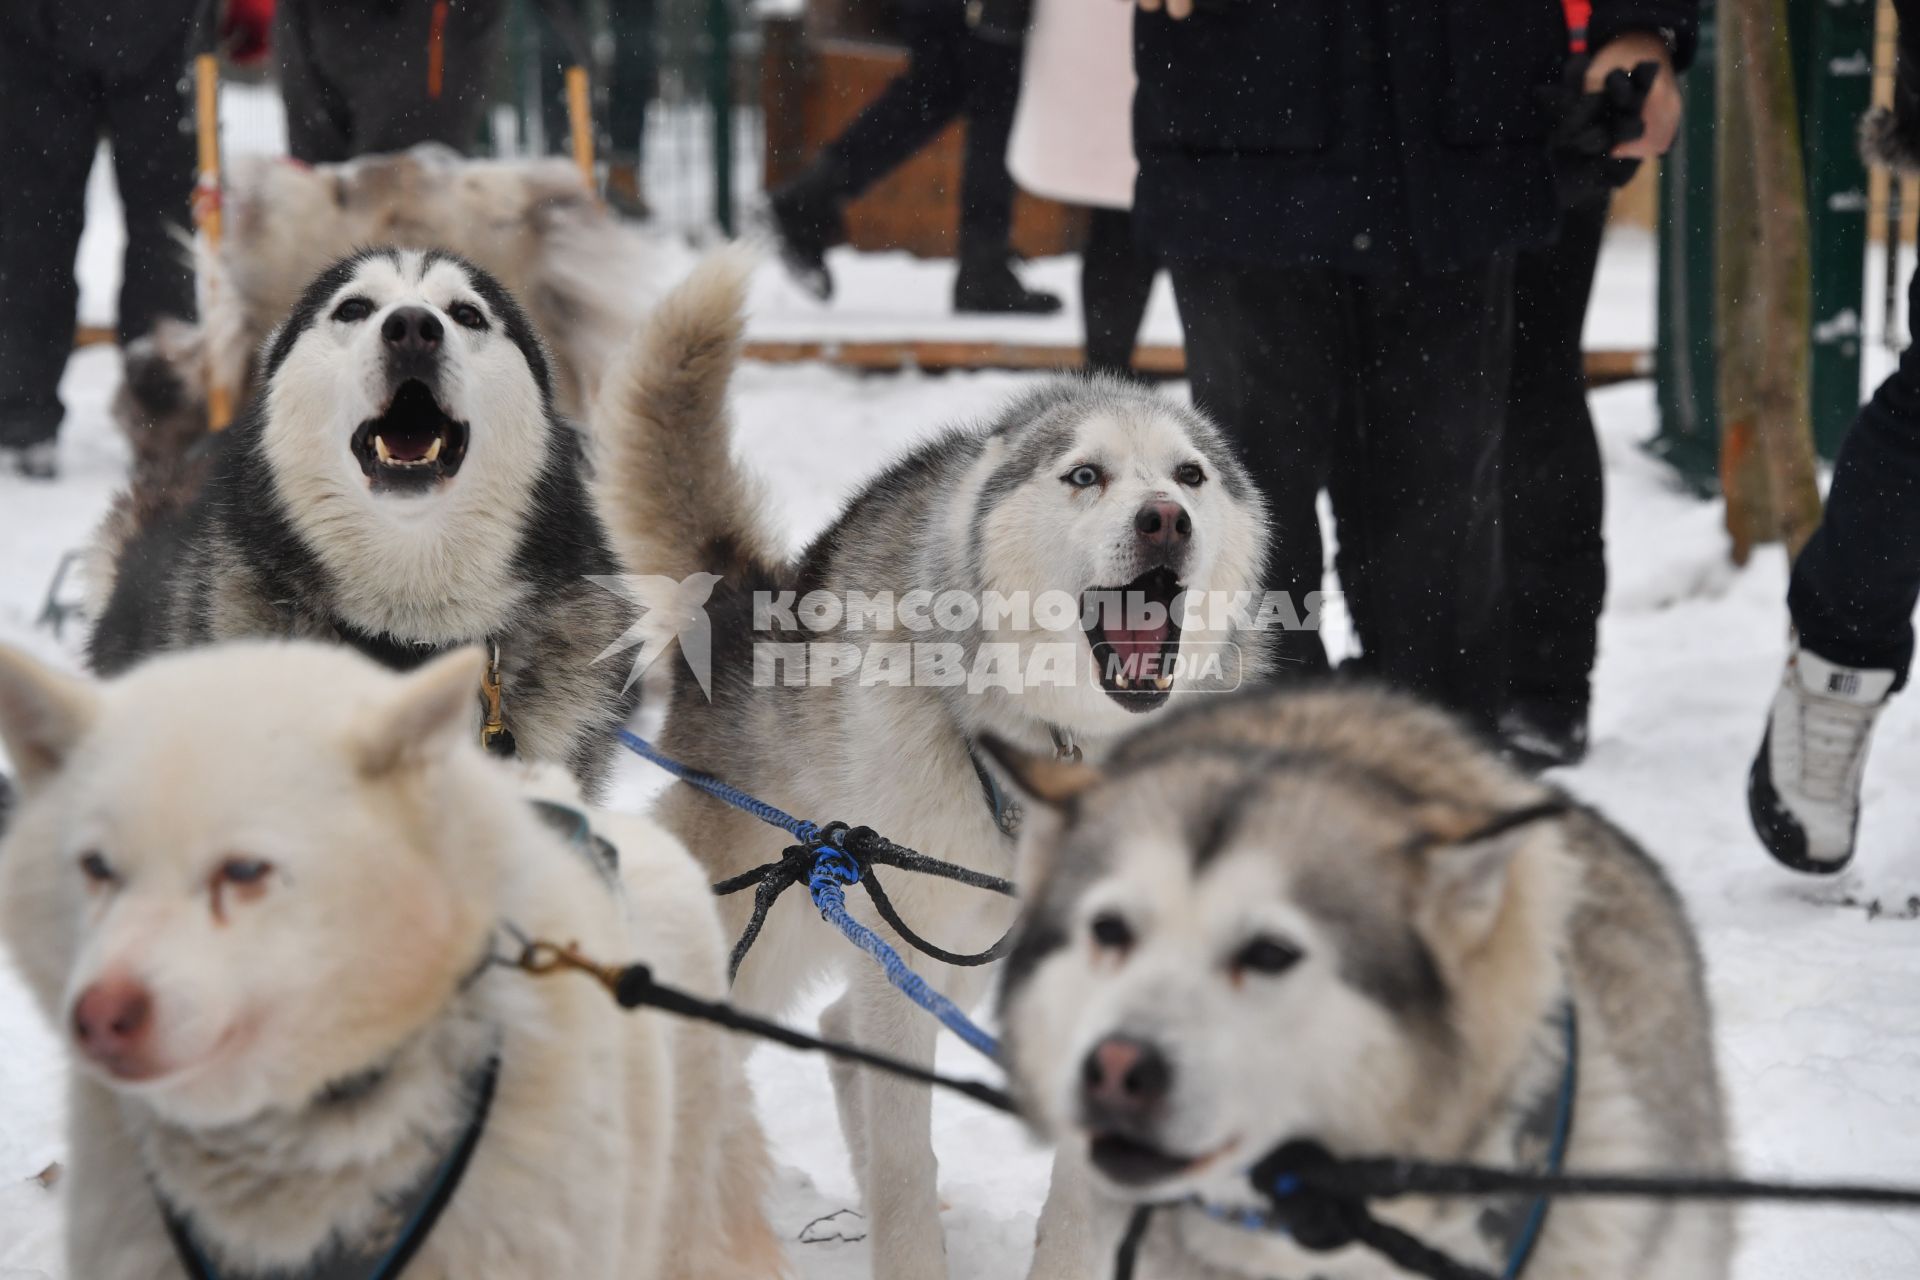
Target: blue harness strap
(428, 1202)
(829, 867)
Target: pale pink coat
(1073, 131)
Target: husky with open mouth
(402, 485)
(1332, 915)
(1102, 497)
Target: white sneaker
(1804, 790)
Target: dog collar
(421, 1209)
(396, 654)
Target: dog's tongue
(1138, 642)
(408, 446)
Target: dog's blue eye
(1112, 932)
(1266, 955)
(95, 867)
(245, 870)
(467, 316)
(1082, 476)
(352, 310)
(1190, 474)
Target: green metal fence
(1833, 67)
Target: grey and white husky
(1331, 915)
(1081, 488)
(402, 484)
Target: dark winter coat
(1364, 134)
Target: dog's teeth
(1165, 682)
(1122, 682)
(380, 448)
(433, 450)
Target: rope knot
(1318, 1219)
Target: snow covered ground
(1819, 1006)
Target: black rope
(868, 849)
(1127, 1260)
(634, 988)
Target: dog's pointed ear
(1052, 780)
(43, 715)
(1469, 854)
(432, 710)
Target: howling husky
(292, 1053)
(1085, 492)
(1332, 915)
(403, 485)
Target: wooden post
(1764, 304)
(580, 122)
(206, 205)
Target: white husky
(257, 888)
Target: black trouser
(1116, 279)
(1389, 392)
(1556, 560)
(950, 72)
(1858, 578)
(365, 76)
(59, 93)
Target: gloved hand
(1590, 125)
(246, 30)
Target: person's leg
(1856, 582)
(635, 78)
(1434, 364)
(1852, 598)
(1554, 490)
(1268, 357)
(985, 281)
(153, 159)
(45, 153)
(319, 123)
(633, 81)
(909, 113)
(1116, 279)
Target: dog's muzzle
(414, 446)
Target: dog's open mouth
(413, 445)
(1129, 1162)
(1135, 634)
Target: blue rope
(800, 827)
(832, 870)
(1523, 1246)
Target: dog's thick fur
(314, 1036)
(1415, 1009)
(289, 536)
(973, 510)
(583, 276)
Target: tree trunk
(1764, 303)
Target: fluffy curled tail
(669, 489)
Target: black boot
(986, 283)
(807, 220)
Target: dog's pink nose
(1163, 524)
(110, 1021)
(1124, 1076)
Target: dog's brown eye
(1266, 955)
(467, 316)
(1112, 932)
(1084, 476)
(352, 310)
(245, 871)
(95, 867)
(1190, 474)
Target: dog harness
(418, 1211)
